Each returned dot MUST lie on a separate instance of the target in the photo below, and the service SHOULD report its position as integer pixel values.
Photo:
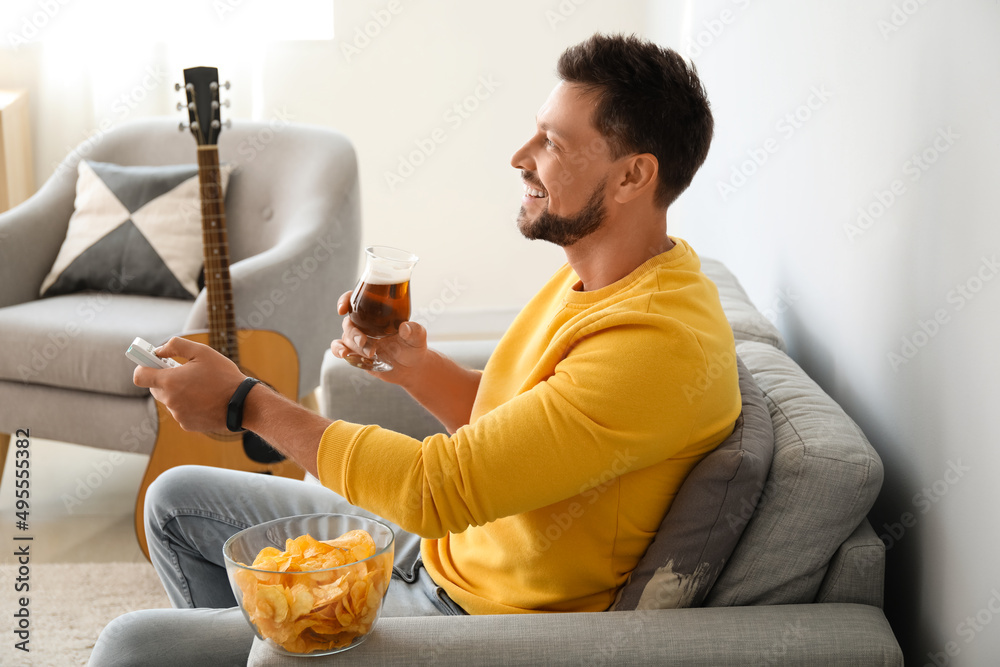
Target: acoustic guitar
(266, 355)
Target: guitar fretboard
(221, 319)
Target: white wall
(887, 81)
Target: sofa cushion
(134, 230)
(78, 341)
(697, 535)
(747, 322)
(823, 480)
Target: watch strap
(234, 412)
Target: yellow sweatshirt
(590, 413)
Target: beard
(566, 230)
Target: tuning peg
(181, 127)
(177, 86)
(226, 85)
(225, 103)
(180, 105)
(228, 123)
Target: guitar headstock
(201, 86)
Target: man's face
(564, 167)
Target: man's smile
(533, 190)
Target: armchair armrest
(820, 635)
(31, 234)
(355, 396)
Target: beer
(378, 309)
(380, 302)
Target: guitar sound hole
(258, 451)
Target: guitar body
(266, 355)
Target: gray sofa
(803, 585)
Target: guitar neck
(221, 319)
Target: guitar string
(215, 237)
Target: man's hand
(197, 393)
(406, 351)
(446, 389)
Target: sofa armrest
(353, 395)
(813, 634)
(857, 571)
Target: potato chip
(303, 610)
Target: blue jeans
(190, 513)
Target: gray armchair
(803, 585)
(294, 236)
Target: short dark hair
(649, 101)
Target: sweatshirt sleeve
(631, 392)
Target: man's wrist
(418, 374)
(236, 407)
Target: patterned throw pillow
(134, 230)
(708, 515)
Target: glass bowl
(314, 612)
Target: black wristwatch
(234, 413)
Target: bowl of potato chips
(311, 584)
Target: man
(585, 409)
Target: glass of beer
(380, 301)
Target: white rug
(69, 605)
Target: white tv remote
(143, 354)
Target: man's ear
(638, 176)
